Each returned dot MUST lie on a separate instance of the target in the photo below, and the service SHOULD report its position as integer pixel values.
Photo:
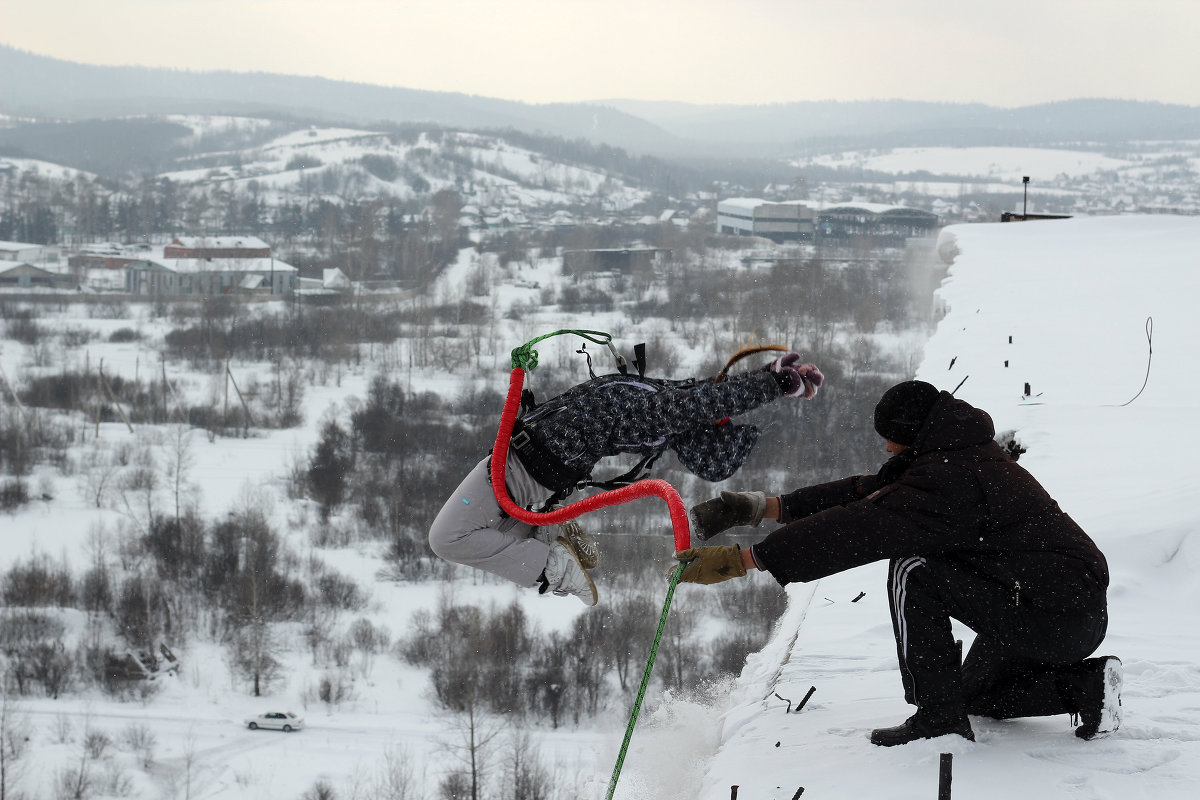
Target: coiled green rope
(526, 358)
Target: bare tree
(397, 778)
(100, 474)
(14, 738)
(178, 465)
(245, 571)
(527, 777)
(141, 741)
(76, 782)
(259, 662)
(474, 734)
(187, 768)
(139, 484)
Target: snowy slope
(497, 169)
(1006, 164)
(1075, 296)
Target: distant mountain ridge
(908, 122)
(42, 87)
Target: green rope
(641, 695)
(526, 358)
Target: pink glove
(812, 378)
(795, 379)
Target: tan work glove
(711, 564)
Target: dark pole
(1025, 206)
(945, 768)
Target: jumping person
(555, 446)
(969, 535)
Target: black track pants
(1022, 656)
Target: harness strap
(632, 476)
(543, 466)
(548, 470)
(639, 358)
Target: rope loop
(749, 351)
(526, 358)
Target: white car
(276, 720)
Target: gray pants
(470, 529)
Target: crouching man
(969, 535)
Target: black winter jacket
(961, 498)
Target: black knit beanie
(903, 409)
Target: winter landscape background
(273, 541)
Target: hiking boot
(584, 545)
(565, 575)
(918, 726)
(1100, 697)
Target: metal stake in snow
(945, 767)
(523, 358)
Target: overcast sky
(999, 52)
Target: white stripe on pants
(900, 570)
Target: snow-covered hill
(339, 163)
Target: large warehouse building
(749, 216)
(803, 221)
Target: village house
(185, 277)
(21, 251)
(27, 276)
(217, 247)
(208, 265)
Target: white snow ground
(1074, 296)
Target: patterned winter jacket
(560, 441)
(958, 496)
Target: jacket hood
(954, 424)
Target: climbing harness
(525, 358)
(549, 472)
(563, 479)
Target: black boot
(922, 725)
(1095, 694)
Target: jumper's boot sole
(564, 575)
(583, 544)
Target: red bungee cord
(612, 497)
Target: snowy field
(1073, 295)
(1006, 165)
